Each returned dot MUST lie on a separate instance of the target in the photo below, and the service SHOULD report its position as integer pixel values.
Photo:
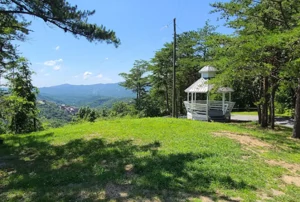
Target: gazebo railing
(201, 106)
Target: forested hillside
(104, 90)
(51, 114)
(95, 96)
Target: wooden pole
(174, 110)
(207, 104)
(223, 103)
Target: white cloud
(52, 62)
(46, 74)
(99, 76)
(87, 75)
(106, 58)
(57, 48)
(57, 67)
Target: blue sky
(143, 27)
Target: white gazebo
(208, 109)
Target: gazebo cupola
(208, 72)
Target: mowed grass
(253, 113)
(157, 159)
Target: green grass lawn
(158, 159)
(245, 113)
(254, 113)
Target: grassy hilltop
(158, 159)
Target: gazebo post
(188, 96)
(207, 104)
(229, 96)
(223, 103)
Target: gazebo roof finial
(208, 68)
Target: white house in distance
(208, 110)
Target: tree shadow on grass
(97, 170)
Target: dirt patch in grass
(206, 199)
(288, 179)
(92, 136)
(277, 192)
(294, 168)
(243, 139)
(253, 142)
(295, 180)
(269, 196)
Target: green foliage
(121, 109)
(92, 116)
(19, 106)
(146, 105)
(168, 159)
(86, 113)
(150, 107)
(137, 81)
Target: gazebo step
(218, 119)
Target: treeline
(260, 61)
(119, 109)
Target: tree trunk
(259, 113)
(137, 100)
(138, 96)
(272, 107)
(259, 106)
(294, 97)
(296, 129)
(180, 105)
(264, 121)
(167, 99)
(34, 124)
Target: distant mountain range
(82, 95)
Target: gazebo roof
(200, 86)
(207, 69)
(225, 90)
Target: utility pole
(174, 108)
